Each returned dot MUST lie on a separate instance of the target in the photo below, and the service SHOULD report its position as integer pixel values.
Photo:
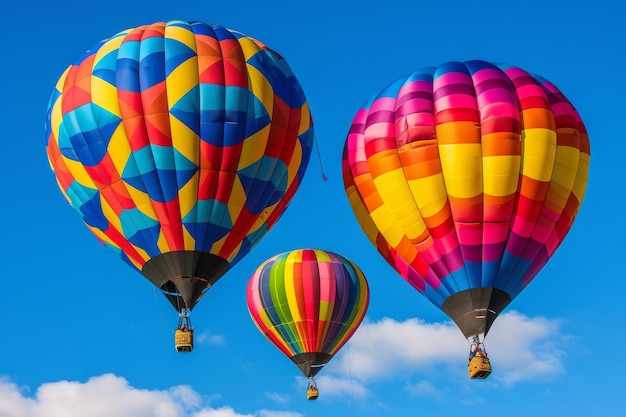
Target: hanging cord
(319, 157)
(351, 385)
(156, 305)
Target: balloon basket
(312, 393)
(479, 367)
(183, 340)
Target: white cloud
(381, 349)
(338, 387)
(524, 348)
(208, 338)
(424, 389)
(276, 397)
(520, 348)
(109, 395)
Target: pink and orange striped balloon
(467, 177)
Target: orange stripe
(458, 132)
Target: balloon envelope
(467, 177)
(308, 303)
(179, 145)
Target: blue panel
(187, 111)
(476, 65)
(105, 68)
(168, 185)
(448, 67)
(423, 74)
(92, 213)
(264, 183)
(512, 269)
(490, 271)
(79, 194)
(147, 240)
(176, 53)
(127, 75)
(474, 273)
(212, 133)
(163, 157)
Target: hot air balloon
(179, 145)
(308, 303)
(467, 177)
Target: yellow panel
(181, 34)
(566, 165)
(119, 148)
(110, 215)
(144, 255)
(265, 319)
(261, 88)
(262, 219)
(248, 47)
(539, 149)
(361, 214)
(292, 258)
(393, 189)
(178, 83)
(181, 80)
(305, 118)
(78, 172)
(188, 195)
(237, 200)
(162, 242)
(56, 115)
(185, 141)
(105, 95)
(384, 223)
(190, 242)
(325, 312)
(501, 174)
(61, 81)
(142, 201)
(430, 194)
(582, 175)
(461, 165)
(234, 253)
(111, 45)
(322, 256)
(217, 248)
(253, 148)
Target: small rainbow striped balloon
(308, 303)
(467, 177)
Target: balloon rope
(351, 385)
(156, 305)
(319, 157)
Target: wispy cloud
(276, 397)
(208, 338)
(340, 387)
(424, 389)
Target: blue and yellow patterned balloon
(180, 145)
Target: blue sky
(84, 335)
